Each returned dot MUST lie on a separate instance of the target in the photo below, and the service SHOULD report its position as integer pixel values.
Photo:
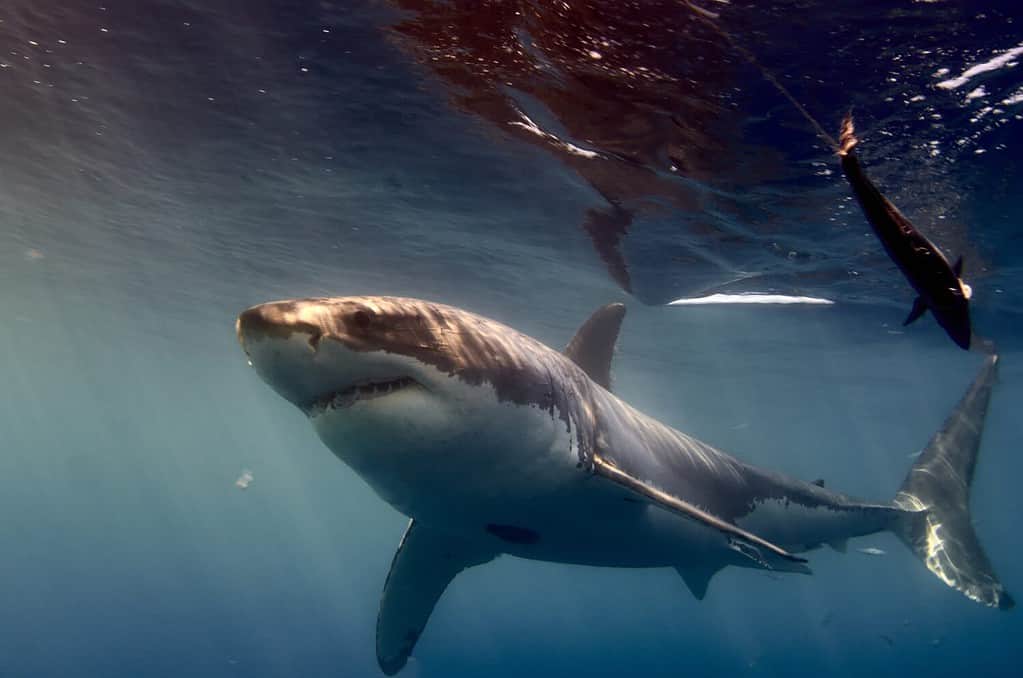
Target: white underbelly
(520, 487)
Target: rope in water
(710, 19)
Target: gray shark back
(783, 510)
(930, 513)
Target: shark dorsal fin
(593, 345)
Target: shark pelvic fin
(839, 545)
(593, 345)
(697, 577)
(739, 538)
(919, 308)
(424, 565)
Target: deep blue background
(160, 176)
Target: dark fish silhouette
(939, 284)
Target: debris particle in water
(244, 480)
(34, 255)
(872, 551)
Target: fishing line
(710, 18)
(883, 216)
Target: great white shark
(493, 443)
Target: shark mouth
(366, 390)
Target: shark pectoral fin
(766, 559)
(424, 565)
(919, 308)
(697, 577)
(593, 345)
(672, 503)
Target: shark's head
(393, 386)
(349, 354)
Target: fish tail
(935, 523)
(846, 135)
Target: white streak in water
(527, 124)
(1015, 98)
(990, 65)
(572, 148)
(977, 93)
(750, 299)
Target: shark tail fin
(935, 523)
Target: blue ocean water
(164, 165)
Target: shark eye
(361, 319)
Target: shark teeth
(366, 390)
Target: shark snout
(279, 320)
(314, 350)
(281, 340)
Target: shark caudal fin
(936, 498)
